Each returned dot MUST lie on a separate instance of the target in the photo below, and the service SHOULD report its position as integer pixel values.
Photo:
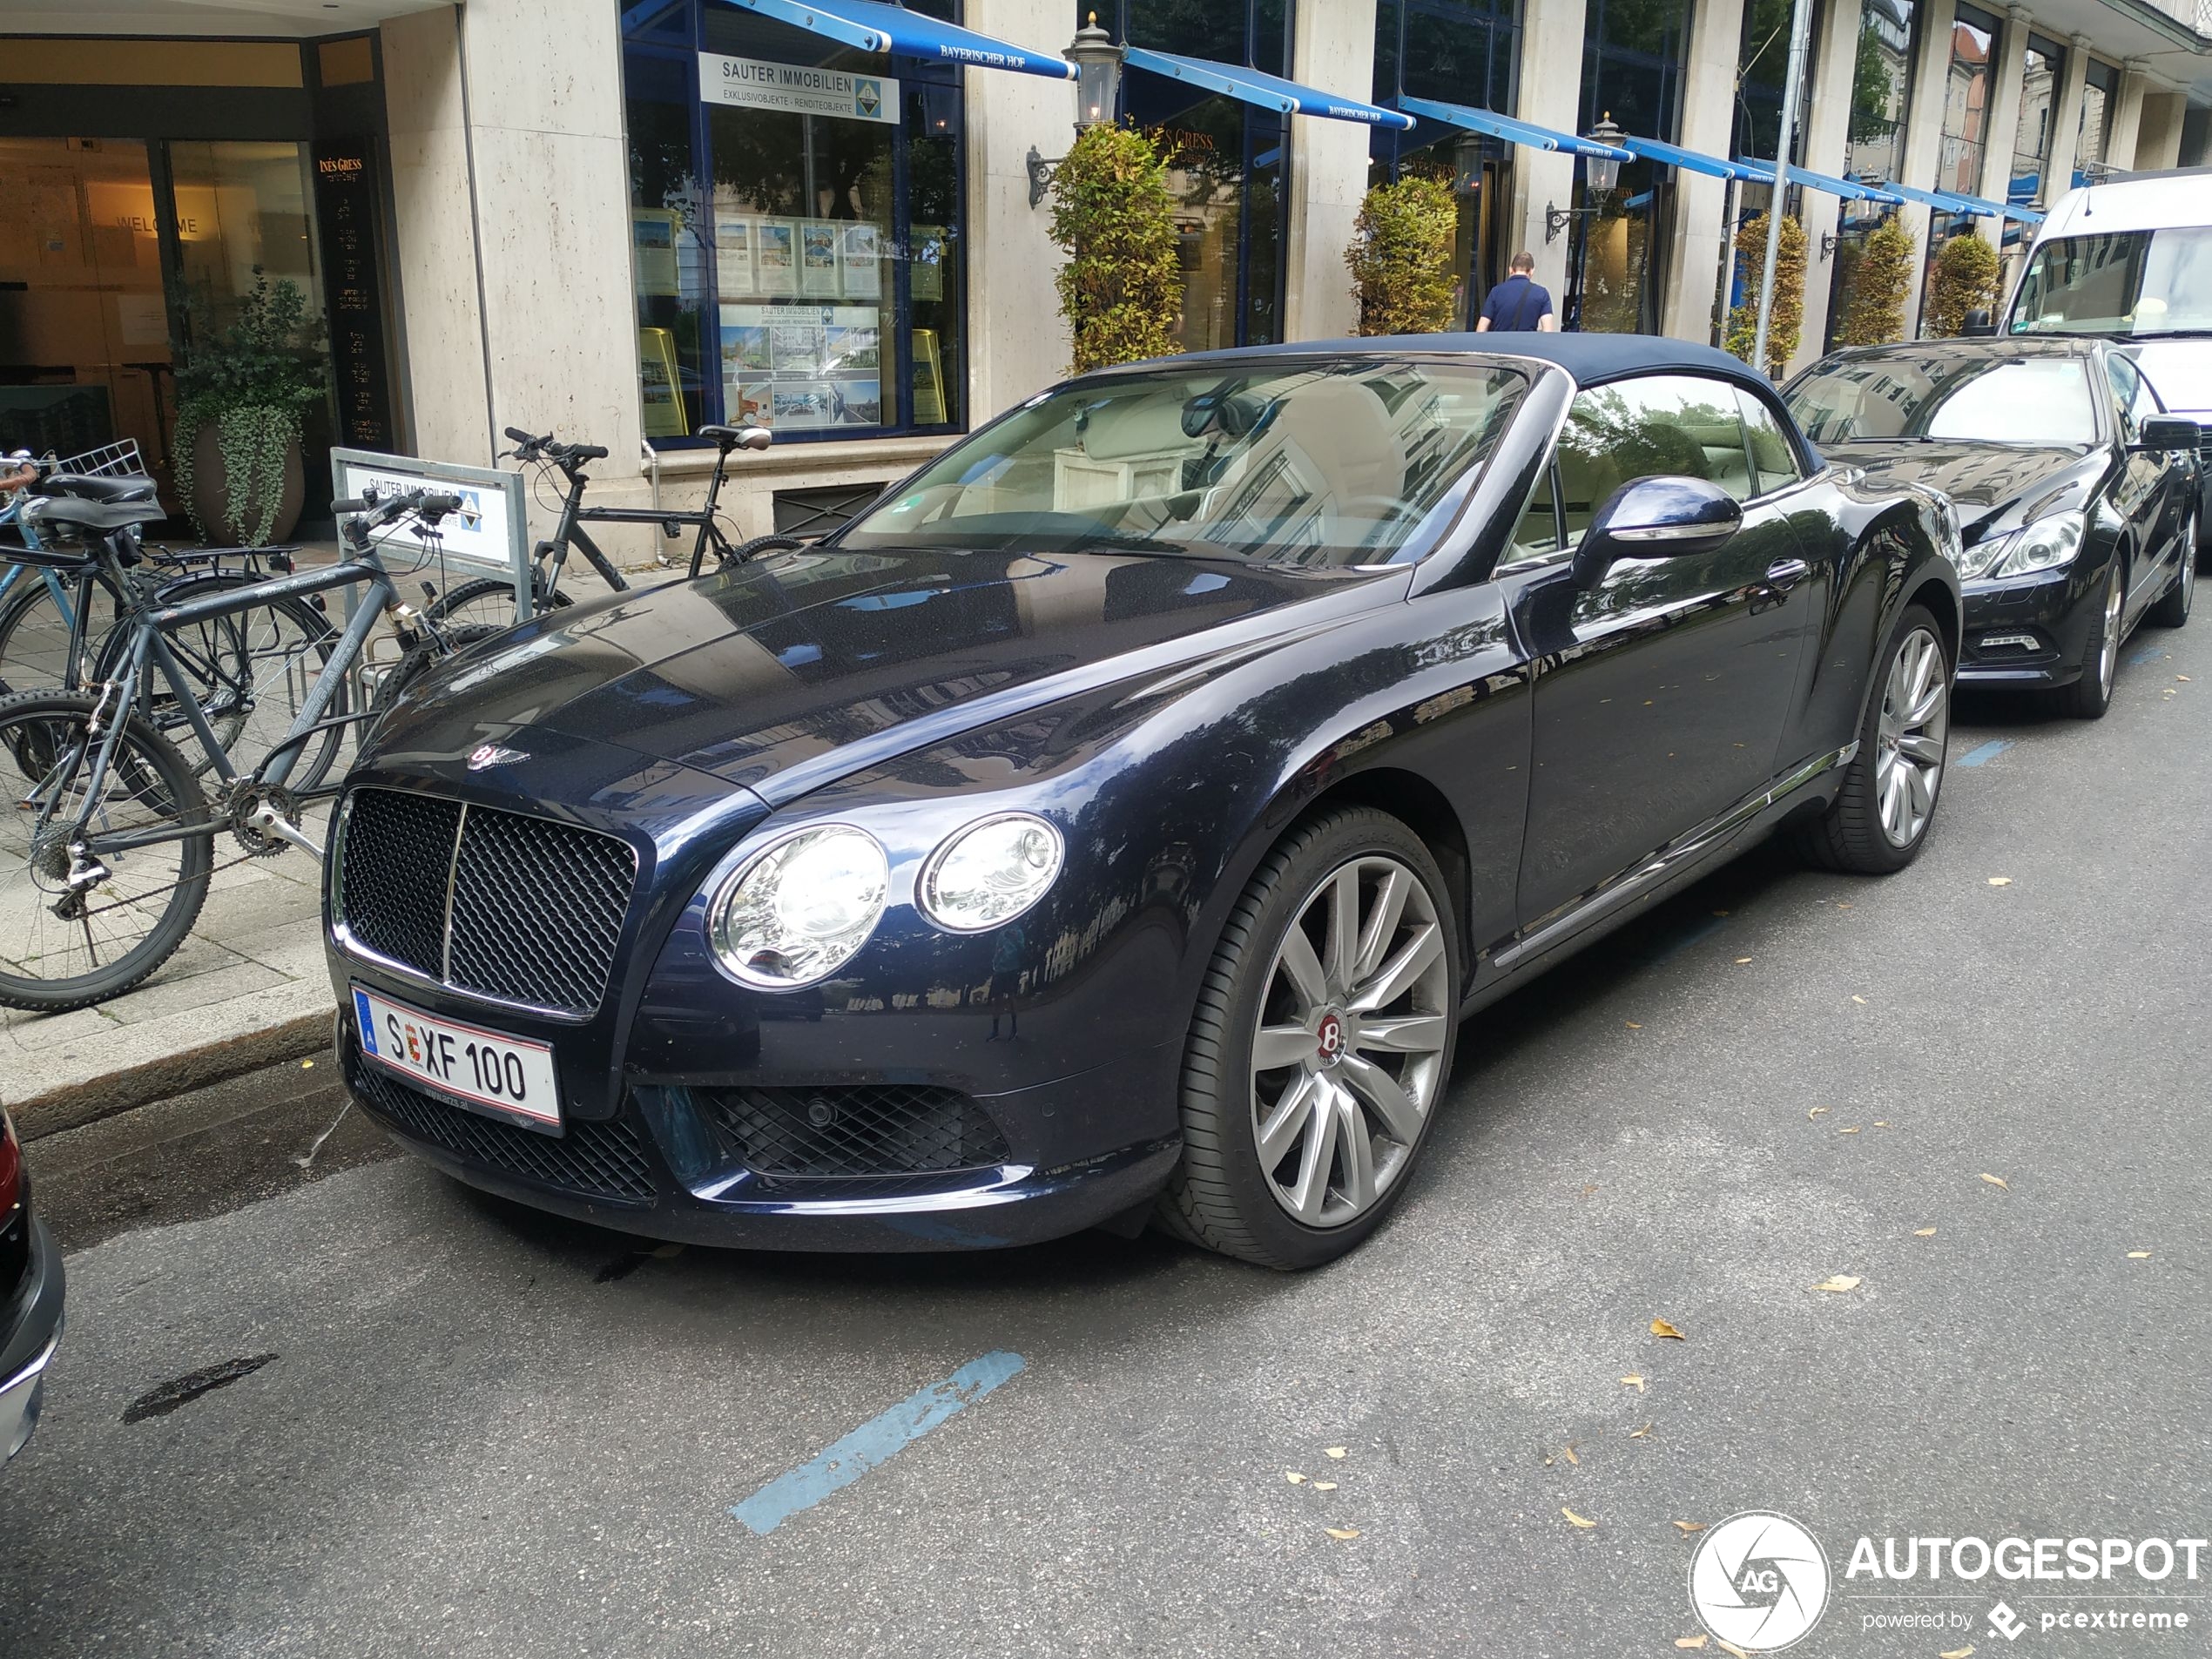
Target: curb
(74, 1105)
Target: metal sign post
(1793, 78)
(492, 531)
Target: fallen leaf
(1720, 913)
(1332, 1451)
(307, 1065)
(1661, 1328)
(1632, 1025)
(1841, 905)
(2138, 1255)
(1924, 1232)
(1572, 1459)
(1688, 1526)
(1815, 1112)
(1341, 1532)
(1573, 1519)
(1638, 1433)
(1837, 1283)
(1324, 1485)
(1635, 1383)
(2001, 882)
(1742, 961)
(1853, 1129)
(1858, 999)
(2182, 677)
(1294, 1477)
(1881, 1122)
(1957, 1653)
(667, 1252)
(1732, 1648)
(1997, 1181)
(1690, 1641)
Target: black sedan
(30, 1299)
(2077, 493)
(1115, 821)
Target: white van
(2132, 259)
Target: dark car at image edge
(1116, 820)
(31, 1297)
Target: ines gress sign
(797, 89)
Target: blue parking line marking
(877, 1440)
(2147, 654)
(1987, 752)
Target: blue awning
(873, 27)
(1952, 201)
(1695, 161)
(1513, 132)
(1268, 91)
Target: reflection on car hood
(778, 668)
(1997, 486)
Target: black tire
(2091, 695)
(151, 782)
(411, 667)
(1850, 836)
(252, 670)
(1220, 1196)
(2173, 611)
(489, 602)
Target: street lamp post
(1793, 78)
(1599, 175)
(1098, 94)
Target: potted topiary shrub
(242, 397)
(1121, 289)
(1965, 280)
(1874, 314)
(1400, 257)
(1788, 314)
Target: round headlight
(800, 908)
(990, 872)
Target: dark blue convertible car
(1115, 822)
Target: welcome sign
(797, 89)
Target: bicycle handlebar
(372, 510)
(565, 455)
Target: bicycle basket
(117, 460)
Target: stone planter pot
(211, 493)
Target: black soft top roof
(1591, 359)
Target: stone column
(1924, 136)
(2158, 143)
(2127, 116)
(1700, 230)
(2006, 77)
(1827, 136)
(1551, 95)
(1333, 48)
(2066, 121)
(1016, 341)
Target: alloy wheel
(1347, 1056)
(2108, 645)
(2188, 564)
(1909, 742)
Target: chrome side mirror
(1656, 518)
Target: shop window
(1765, 71)
(2100, 90)
(2043, 73)
(1966, 100)
(1228, 161)
(1632, 55)
(797, 239)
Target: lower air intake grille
(873, 1130)
(597, 1160)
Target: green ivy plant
(253, 383)
(1788, 315)
(1400, 257)
(1874, 315)
(1965, 280)
(1121, 289)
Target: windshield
(2140, 284)
(1946, 396)
(1318, 464)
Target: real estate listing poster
(802, 368)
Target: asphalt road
(481, 1432)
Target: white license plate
(506, 1077)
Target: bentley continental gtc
(1113, 822)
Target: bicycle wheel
(61, 948)
(34, 631)
(489, 602)
(252, 670)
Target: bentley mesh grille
(493, 902)
(868, 1129)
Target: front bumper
(2028, 632)
(29, 1348)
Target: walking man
(1519, 303)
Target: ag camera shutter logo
(1759, 1581)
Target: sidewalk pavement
(247, 988)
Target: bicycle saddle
(100, 516)
(84, 487)
(726, 438)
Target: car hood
(1997, 486)
(789, 672)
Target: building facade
(623, 220)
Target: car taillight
(10, 1170)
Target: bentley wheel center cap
(1328, 1039)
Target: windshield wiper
(2174, 333)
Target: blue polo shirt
(1517, 305)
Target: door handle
(1784, 574)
